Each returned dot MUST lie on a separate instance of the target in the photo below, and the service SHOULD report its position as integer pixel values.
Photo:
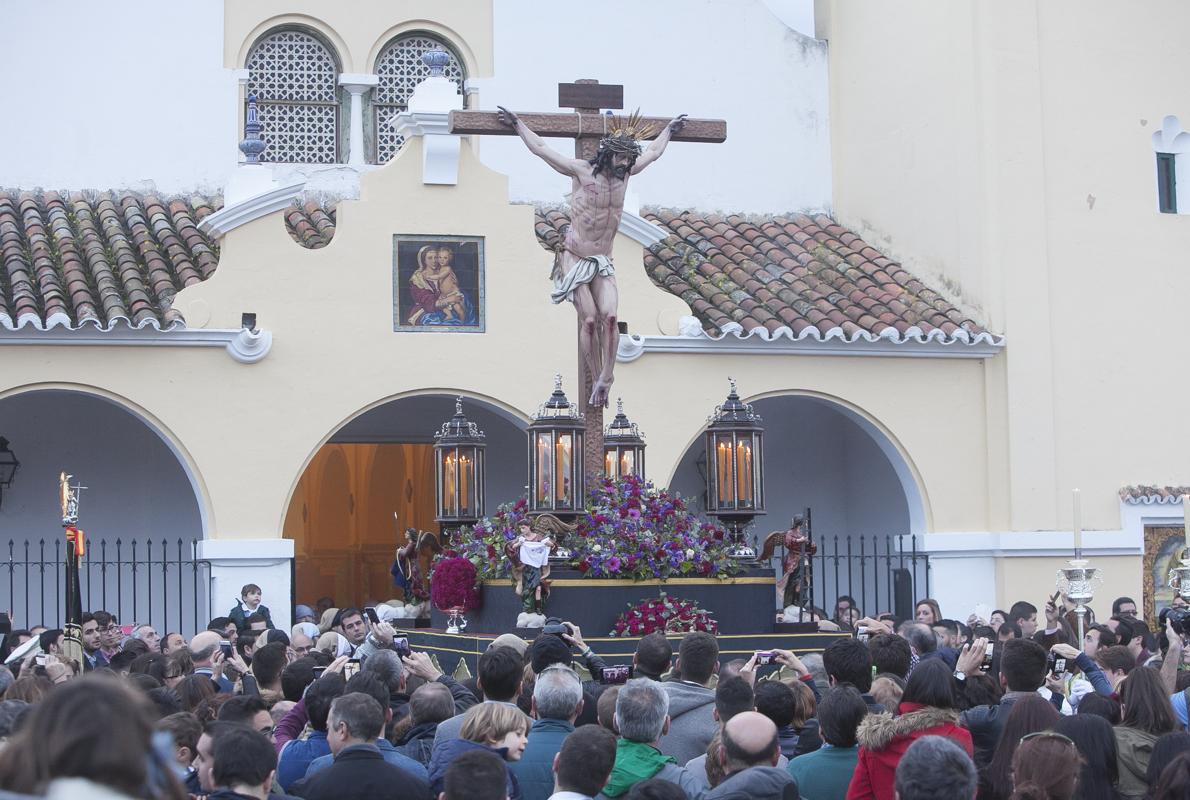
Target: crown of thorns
(625, 134)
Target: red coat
(883, 739)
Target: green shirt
(824, 774)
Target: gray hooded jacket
(691, 721)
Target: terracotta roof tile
(104, 257)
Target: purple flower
(613, 564)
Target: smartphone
(351, 668)
(225, 646)
(989, 648)
(401, 645)
(861, 633)
(1056, 664)
(614, 676)
(39, 660)
(765, 657)
(318, 672)
(249, 684)
(372, 615)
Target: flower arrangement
(483, 545)
(633, 530)
(453, 584)
(664, 613)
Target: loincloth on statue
(583, 272)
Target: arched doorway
(825, 456)
(380, 463)
(141, 514)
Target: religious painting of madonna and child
(438, 283)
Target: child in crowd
(249, 604)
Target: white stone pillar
(265, 562)
(357, 84)
(428, 116)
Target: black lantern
(735, 467)
(8, 466)
(623, 447)
(556, 456)
(459, 471)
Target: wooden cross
(586, 125)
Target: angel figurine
(795, 565)
(411, 564)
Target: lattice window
(294, 77)
(400, 69)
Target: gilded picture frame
(1163, 548)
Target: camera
(1179, 617)
(1056, 664)
(861, 633)
(372, 615)
(351, 668)
(401, 645)
(765, 657)
(39, 660)
(988, 650)
(318, 672)
(614, 676)
(225, 646)
(554, 626)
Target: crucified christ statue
(583, 272)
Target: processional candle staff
(1076, 580)
(75, 550)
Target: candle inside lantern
(723, 462)
(1078, 525)
(626, 463)
(465, 467)
(609, 464)
(744, 473)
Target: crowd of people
(1005, 708)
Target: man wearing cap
(304, 614)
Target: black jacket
(986, 723)
(361, 773)
(418, 742)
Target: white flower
(597, 547)
(689, 552)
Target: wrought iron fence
(883, 573)
(157, 582)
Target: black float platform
(451, 648)
(745, 604)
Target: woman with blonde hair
(495, 727)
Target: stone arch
(450, 37)
(916, 496)
(375, 463)
(307, 22)
(145, 494)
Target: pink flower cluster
(670, 615)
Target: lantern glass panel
(564, 460)
(449, 483)
(466, 482)
(609, 464)
(725, 469)
(744, 481)
(627, 462)
(545, 468)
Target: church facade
(242, 362)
